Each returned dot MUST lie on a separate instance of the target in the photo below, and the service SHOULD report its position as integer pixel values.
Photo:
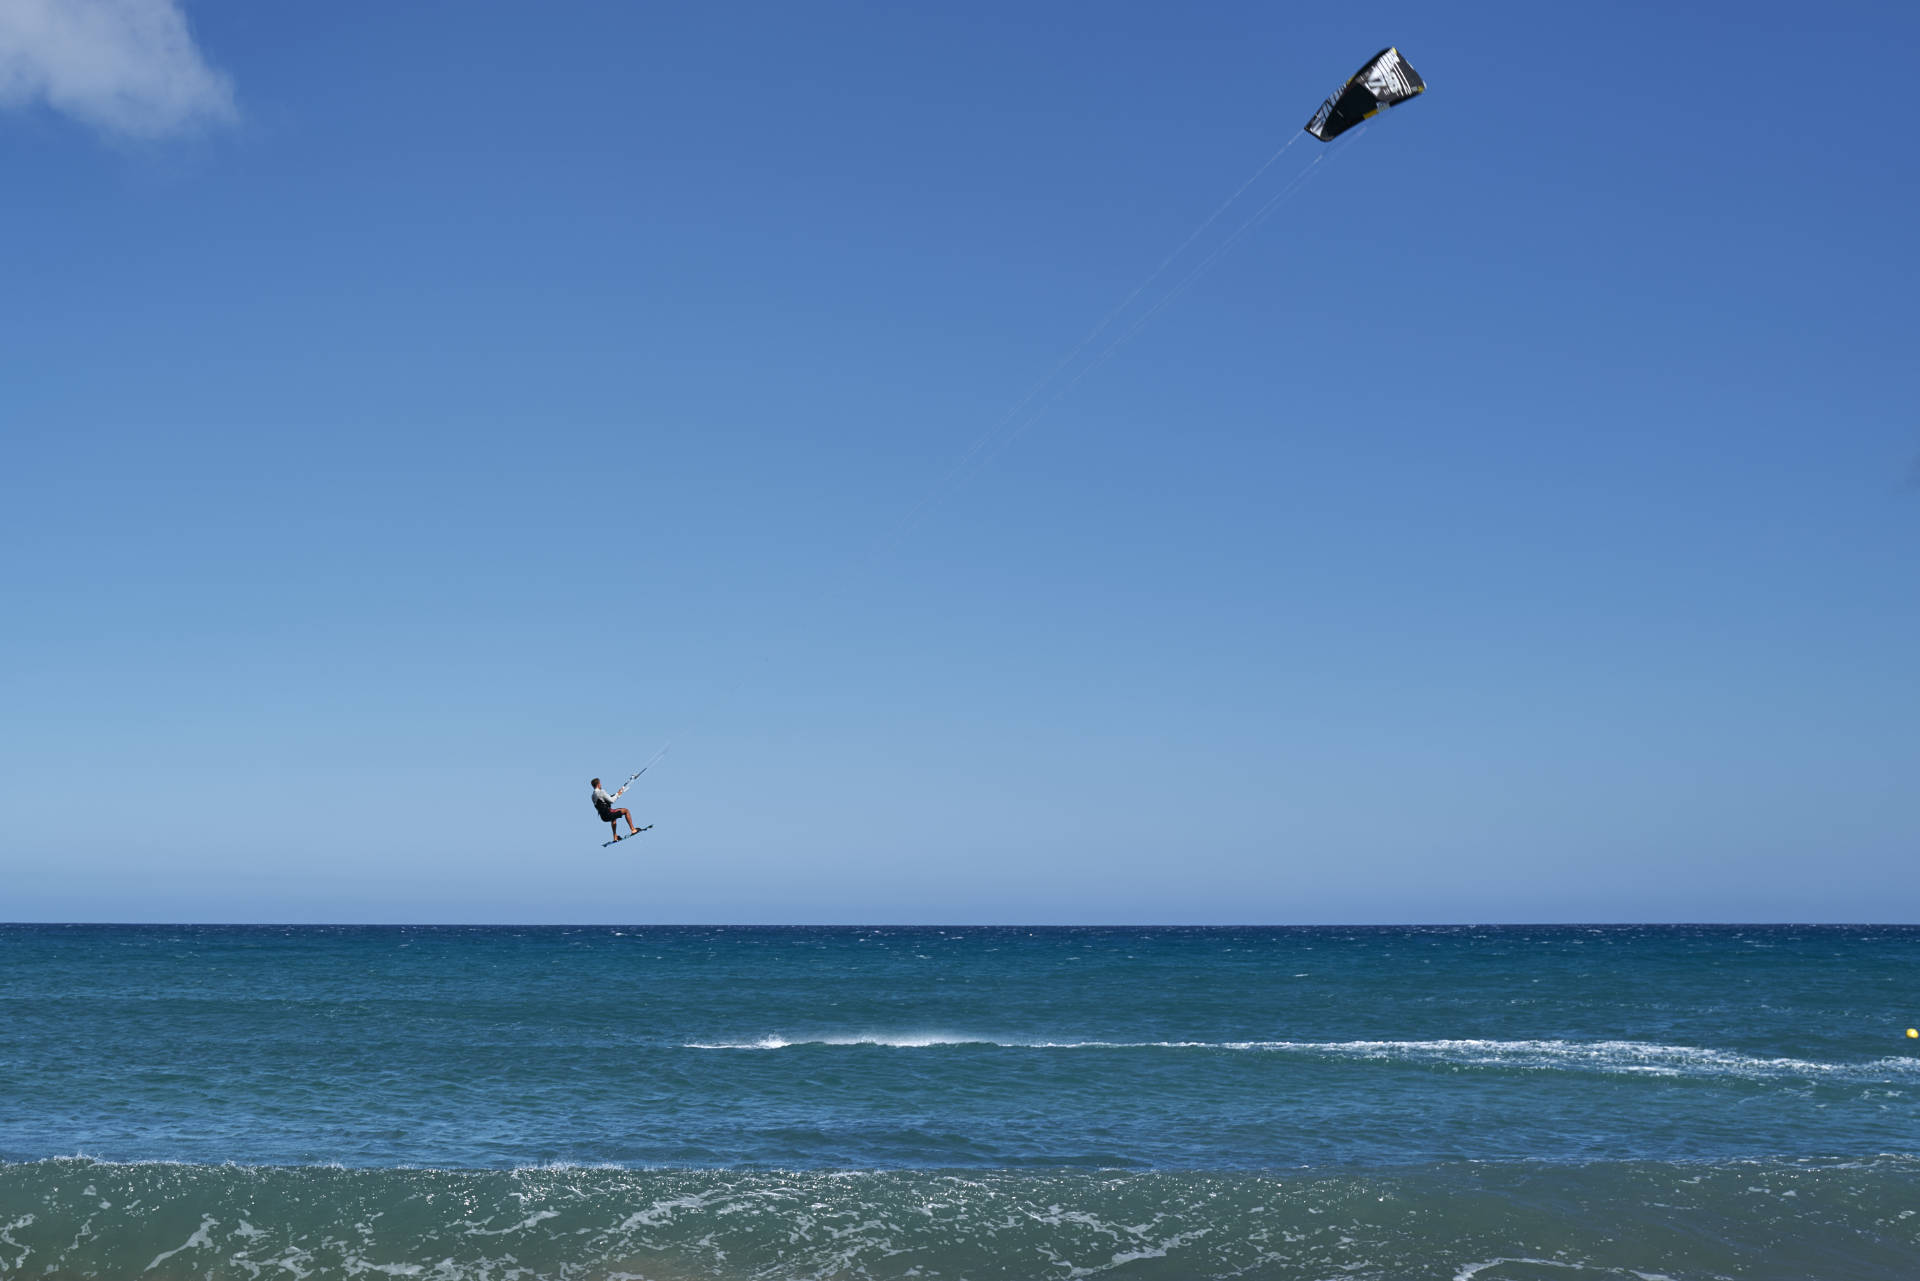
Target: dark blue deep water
(1494, 1103)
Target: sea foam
(1615, 1056)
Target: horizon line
(972, 925)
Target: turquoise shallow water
(600, 1102)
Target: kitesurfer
(603, 805)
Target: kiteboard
(616, 840)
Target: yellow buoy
(1914, 1032)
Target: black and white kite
(1386, 81)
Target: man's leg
(628, 815)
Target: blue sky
(411, 411)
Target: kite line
(960, 470)
(655, 760)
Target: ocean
(1485, 1103)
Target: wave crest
(1645, 1058)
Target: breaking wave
(1622, 1057)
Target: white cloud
(128, 67)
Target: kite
(1386, 81)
